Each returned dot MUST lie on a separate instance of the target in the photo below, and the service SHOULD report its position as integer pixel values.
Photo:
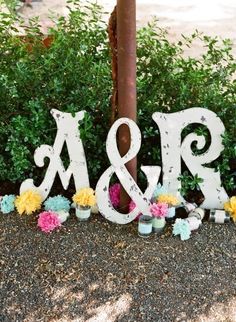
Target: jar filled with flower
(159, 211)
(172, 202)
(84, 199)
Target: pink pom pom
(48, 221)
(114, 194)
(132, 205)
(159, 209)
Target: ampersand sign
(118, 167)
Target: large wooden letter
(67, 132)
(171, 127)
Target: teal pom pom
(57, 203)
(181, 227)
(8, 204)
(159, 190)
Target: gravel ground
(98, 271)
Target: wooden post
(126, 81)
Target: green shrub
(74, 74)
(168, 82)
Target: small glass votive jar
(189, 206)
(170, 217)
(145, 226)
(199, 213)
(219, 216)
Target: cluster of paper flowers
(56, 212)
(57, 203)
(114, 194)
(159, 210)
(7, 204)
(85, 197)
(28, 202)
(56, 209)
(168, 199)
(181, 227)
(48, 221)
(160, 199)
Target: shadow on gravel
(98, 271)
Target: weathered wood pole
(126, 80)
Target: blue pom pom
(8, 204)
(159, 190)
(57, 203)
(181, 227)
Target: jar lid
(145, 218)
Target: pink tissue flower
(114, 194)
(132, 205)
(48, 221)
(159, 209)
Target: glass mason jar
(145, 226)
(158, 225)
(82, 213)
(219, 216)
(189, 206)
(63, 215)
(170, 214)
(199, 213)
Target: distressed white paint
(171, 127)
(67, 132)
(118, 167)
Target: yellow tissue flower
(230, 206)
(85, 197)
(28, 202)
(169, 199)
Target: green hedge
(74, 74)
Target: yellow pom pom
(85, 197)
(230, 206)
(168, 199)
(28, 202)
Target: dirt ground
(214, 17)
